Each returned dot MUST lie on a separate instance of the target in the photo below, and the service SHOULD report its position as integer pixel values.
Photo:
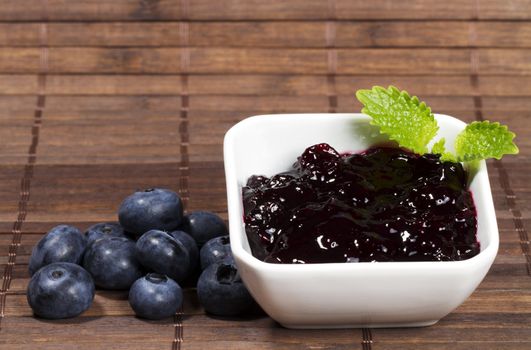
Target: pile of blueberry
(151, 252)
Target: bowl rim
(235, 223)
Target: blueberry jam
(385, 204)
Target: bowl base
(355, 325)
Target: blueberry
(190, 245)
(151, 209)
(203, 226)
(161, 253)
(216, 250)
(104, 230)
(62, 243)
(112, 263)
(222, 292)
(155, 297)
(60, 290)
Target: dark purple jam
(385, 204)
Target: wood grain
(292, 34)
(125, 10)
(120, 76)
(266, 61)
(259, 84)
(252, 84)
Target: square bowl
(343, 295)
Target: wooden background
(101, 97)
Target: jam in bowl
(376, 284)
(383, 204)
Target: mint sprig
(481, 140)
(439, 148)
(410, 122)
(403, 118)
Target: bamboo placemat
(99, 98)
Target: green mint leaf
(403, 118)
(482, 140)
(438, 148)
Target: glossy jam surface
(385, 204)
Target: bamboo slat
(127, 10)
(291, 34)
(100, 98)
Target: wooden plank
(168, 60)
(247, 84)
(234, 60)
(90, 332)
(263, 84)
(230, 34)
(266, 61)
(124, 10)
(113, 85)
(309, 104)
(316, 85)
(272, 34)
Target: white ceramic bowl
(338, 295)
